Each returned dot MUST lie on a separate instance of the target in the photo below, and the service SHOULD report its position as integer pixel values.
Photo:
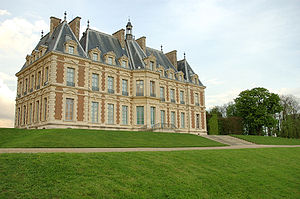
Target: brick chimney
(142, 42)
(75, 26)
(172, 56)
(120, 36)
(54, 22)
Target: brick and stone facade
(91, 82)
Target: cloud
(17, 35)
(4, 12)
(7, 104)
(221, 98)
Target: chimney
(54, 22)
(172, 56)
(120, 36)
(142, 42)
(75, 26)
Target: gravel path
(95, 150)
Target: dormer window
(110, 60)
(123, 64)
(95, 56)
(180, 78)
(151, 65)
(71, 50)
(171, 75)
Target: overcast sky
(232, 45)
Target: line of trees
(257, 112)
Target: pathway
(93, 150)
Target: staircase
(226, 139)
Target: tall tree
(257, 108)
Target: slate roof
(105, 43)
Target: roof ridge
(103, 33)
(154, 49)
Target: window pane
(95, 108)
(173, 118)
(110, 114)
(125, 115)
(95, 56)
(140, 88)
(69, 109)
(110, 60)
(140, 114)
(152, 115)
(123, 64)
(71, 49)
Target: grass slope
(244, 173)
(266, 140)
(22, 138)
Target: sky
(232, 45)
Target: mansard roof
(92, 39)
(104, 42)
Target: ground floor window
(152, 115)
(110, 116)
(69, 109)
(173, 118)
(124, 115)
(197, 121)
(95, 110)
(182, 120)
(140, 115)
(162, 118)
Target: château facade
(102, 81)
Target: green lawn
(266, 140)
(20, 138)
(243, 173)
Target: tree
(213, 124)
(257, 108)
(289, 118)
(231, 110)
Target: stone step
(226, 139)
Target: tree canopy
(257, 108)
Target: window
(95, 82)
(110, 116)
(70, 77)
(139, 88)
(39, 80)
(182, 120)
(110, 85)
(37, 111)
(196, 99)
(110, 60)
(26, 86)
(24, 116)
(162, 118)
(30, 113)
(181, 97)
(71, 49)
(20, 88)
(171, 75)
(95, 56)
(180, 78)
(45, 109)
(173, 118)
(140, 115)
(95, 108)
(152, 89)
(124, 87)
(162, 93)
(123, 64)
(32, 82)
(172, 95)
(197, 121)
(124, 115)
(19, 115)
(152, 116)
(151, 65)
(46, 74)
(69, 109)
